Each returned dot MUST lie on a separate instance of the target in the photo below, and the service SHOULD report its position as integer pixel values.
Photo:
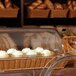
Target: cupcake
(47, 53)
(10, 51)
(31, 53)
(25, 50)
(39, 51)
(17, 54)
(3, 54)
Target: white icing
(25, 50)
(10, 51)
(31, 53)
(3, 54)
(39, 50)
(46, 53)
(17, 54)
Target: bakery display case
(40, 50)
(27, 40)
(34, 52)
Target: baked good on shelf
(43, 52)
(12, 50)
(17, 54)
(39, 1)
(48, 53)
(70, 7)
(69, 4)
(25, 50)
(3, 54)
(1, 5)
(39, 51)
(49, 4)
(35, 4)
(42, 6)
(72, 43)
(31, 53)
(74, 5)
(58, 6)
(8, 3)
(31, 7)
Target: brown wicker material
(67, 47)
(36, 13)
(58, 13)
(23, 63)
(10, 12)
(28, 63)
(72, 13)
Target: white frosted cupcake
(17, 54)
(25, 50)
(31, 53)
(47, 53)
(3, 54)
(39, 51)
(10, 51)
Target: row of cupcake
(25, 52)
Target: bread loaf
(69, 4)
(8, 4)
(1, 5)
(42, 6)
(70, 7)
(35, 4)
(31, 7)
(74, 5)
(58, 6)
(49, 4)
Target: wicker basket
(29, 63)
(11, 12)
(59, 13)
(36, 13)
(72, 14)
